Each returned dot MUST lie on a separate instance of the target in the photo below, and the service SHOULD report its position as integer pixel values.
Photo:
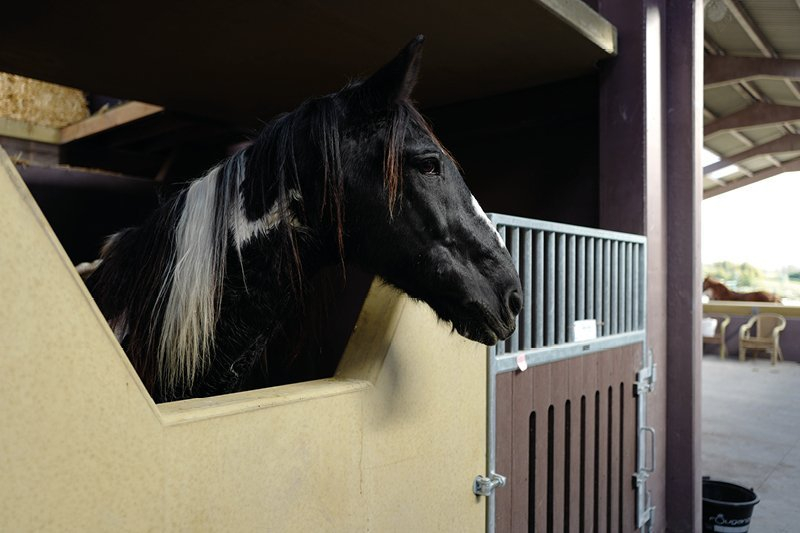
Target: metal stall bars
(584, 293)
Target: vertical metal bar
(606, 287)
(623, 285)
(561, 289)
(590, 277)
(551, 289)
(491, 431)
(580, 312)
(598, 284)
(629, 286)
(636, 284)
(642, 286)
(571, 280)
(539, 330)
(513, 342)
(614, 286)
(501, 229)
(527, 289)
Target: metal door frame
(620, 304)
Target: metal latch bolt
(484, 486)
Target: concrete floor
(751, 435)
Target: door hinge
(485, 485)
(646, 377)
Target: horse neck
(264, 287)
(722, 291)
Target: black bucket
(727, 507)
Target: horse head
(410, 216)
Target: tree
(743, 275)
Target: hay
(38, 102)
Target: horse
(716, 290)
(197, 293)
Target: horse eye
(429, 167)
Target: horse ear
(395, 80)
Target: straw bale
(38, 102)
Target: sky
(757, 224)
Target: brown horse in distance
(716, 290)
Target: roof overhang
(238, 61)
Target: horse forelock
(403, 115)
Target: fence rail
(583, 288)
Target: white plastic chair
(768, 327)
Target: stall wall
(392, 443)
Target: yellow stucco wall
(392, 443)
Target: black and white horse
(196, 293)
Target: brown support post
(631, 178)
(650, 183)
(683, 187)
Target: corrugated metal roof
(768, 29)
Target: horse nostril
(514, 301)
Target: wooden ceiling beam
(788, 143)
(725, 70)
(758, 37)
(758, 114)
(749, 26)
(789, 166)
(117, 116)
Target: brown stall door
(566, 438)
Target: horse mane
(160, 285)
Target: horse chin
(480, 325)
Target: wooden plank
(541, 403)
(632, 362)
(18, 129)
(117, 116)
(576, 392)
(590, 456)
(601, 410)
(559, 379)
(615, 358)
(523, 384)
(503, 462)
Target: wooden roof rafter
(788, 143)
(723, 69)
(756, 35)
(756, 115)
(789, 166)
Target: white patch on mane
(120, 326)
(245, 229)
(192, 306)
(482, 215)
(191, 312)
(86, 269)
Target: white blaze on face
(479, 211)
